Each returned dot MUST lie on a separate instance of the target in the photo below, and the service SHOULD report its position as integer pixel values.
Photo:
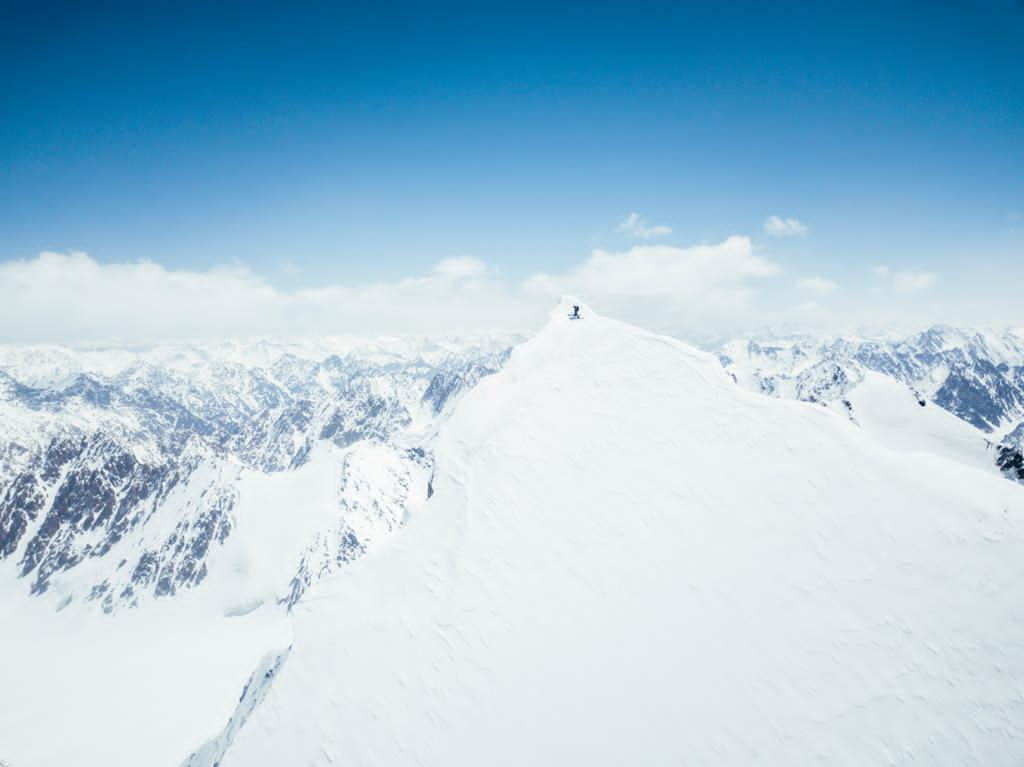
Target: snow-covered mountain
(630, 560)
(127, 476)
(977, 376)
(594, 548)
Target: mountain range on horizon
(132, 432)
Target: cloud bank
(660, 271)
(72, 298)
(699, 292)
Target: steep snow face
(629, 559)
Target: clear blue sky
(333, 142)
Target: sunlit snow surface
(630, 560)
(83, 689)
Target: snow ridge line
(212, 751)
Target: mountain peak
(565, 307)
(621, 540)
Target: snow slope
(148, 685)
(630, 560)
(80, 688)
(892, 414)
(977, 374)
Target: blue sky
(327, 144)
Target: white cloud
(911, 282)
(907, 281)
(73, 298)
(660, 271)
(817, 285)
(461, 267)
(635, 225)
(710, 288)
(784, 227)
(703, 288)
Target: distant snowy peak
(977, 375)
(51, 366)
(120, 471)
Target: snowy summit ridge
(630, 559)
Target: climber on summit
(575, 312)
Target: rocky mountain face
(977, 376)
(1011, 453)
(120, 471)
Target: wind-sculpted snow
(977, 376)
(119, 471)
(628, 559)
